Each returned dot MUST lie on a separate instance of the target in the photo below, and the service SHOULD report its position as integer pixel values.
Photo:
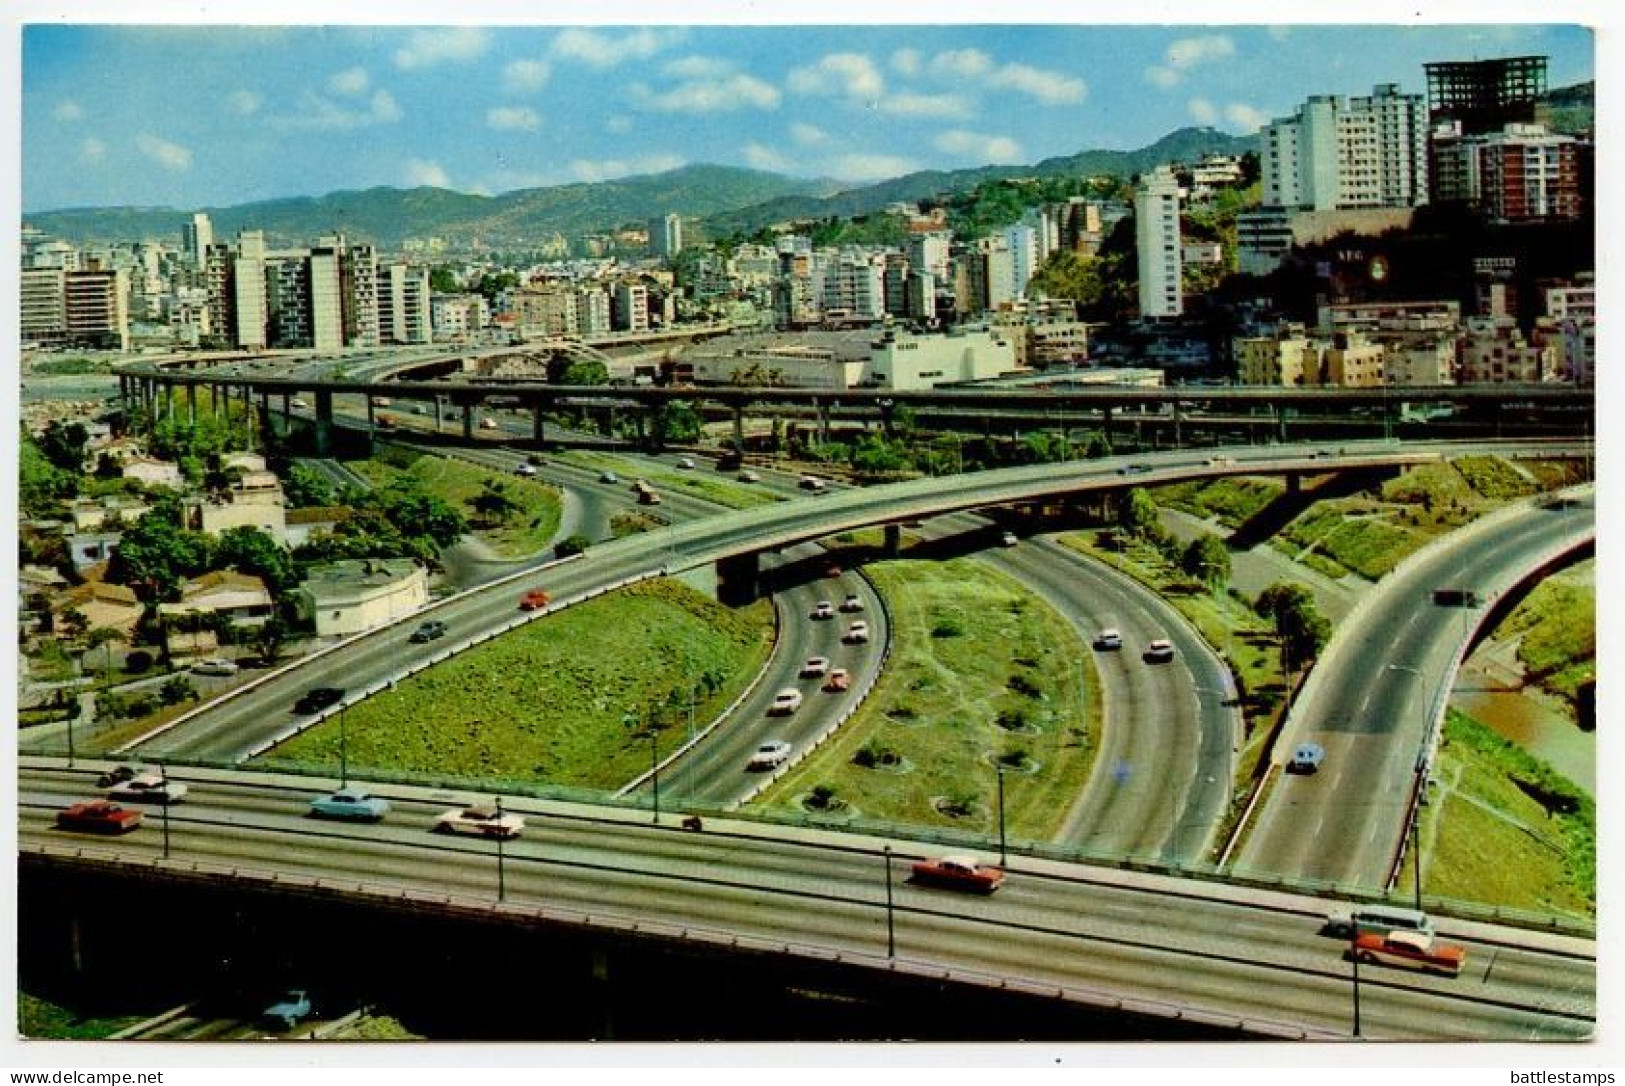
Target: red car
(98, 816)
(534, 601)
(1410, 950)
(959, 873)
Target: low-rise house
(87, 549)
(150, 472)
(241, 598)
(302, 525)
(104, 606)
(254, 500)
(90, 514)
(358, 594)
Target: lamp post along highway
(1354, 961)
(344, 753)
(164, 776)
(1000, 768)
(654, 770)
(501, 878)
(891, 929)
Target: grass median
(549, 702)
(530, 523)
(981, 672)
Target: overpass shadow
(1274, 517)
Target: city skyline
(303, 111)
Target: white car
(488, 424)
(148, 788)
(1008, 539)
(525, 469)
(822, 609)
(814, 667)
(214, 665)
(480, 820)
(785, 702)
(851, 604)
(856, 634)
(299, 401)
(1108, 639)
(1159, 651)
(769, 755)
(685, 461)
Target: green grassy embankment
(979, 670)
(43, 1020)
(526, 530)
(1504, 829)
(1557, 627)
(547, 702)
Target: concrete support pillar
(538, 432)
(1179, 419)
(248, 416)
(739, 429)
(1294, 482)
(468, 422)
(264, 420)
(191, 405)
(1106, 427)
(893, 540)
(437, 414)
(739, 579)
(324, 422)
(372, 420)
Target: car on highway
(856, 634)
(116, 775)
(1134, 469)
(527, 471)
(821, 610)
(428, 631)
(648, 497)
(852, 604)
(1306, 758)
(288, 1011)
(814, 667)
(215, 665)
(1008, 539)
(535, 460)
(785, 702)
(685, 462)
(959, 873)
(148, 788)
(318, 698)
(749, 477)
(608, 477)
(1109, 639)
(98, 816)
(1159, 651)
(1410, 950)
(770, 755)
(350, 805)
(480, 820)
(488, 424)
(812, 483)
(534, 600)
(839, 679)
(1378, 918)
(299, 401)
(1219, 461)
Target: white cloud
(1246, 117)
(852, 75)
(697, 67)
(171, 156)
(975, 145)
(1050, 88)
(599, 50)
(350, 82)
(906, 62)
(447, 44)
(68, 111)
(925, 105)
(1161, 77)
(610, 168)
(712, 96)
(1186, 53)
(92, 150)
(526, 75)
(619, 125)
(1204, 111)
(245, 103)
(319, 114)
(422, 172)
(513, 117)
(864, 167)
(961, 64)
(808, 135)
(765, 158)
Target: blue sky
(195, 116)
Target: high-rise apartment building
(358, 290)
(629, 307)
(43, 317)
(1336, 155)
(666, 236)
(1483, 96)
(1522, 173)
(95, 309)
(196, 237)
(404, 310)
(1156, 233)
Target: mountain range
(723, 199)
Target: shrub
(1024, 686)
(138, 662)
(574, 544)
(822, 797)
(948, 627)
(1011, 720)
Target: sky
(194, 116)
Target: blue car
(351, 805)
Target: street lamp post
(1354, 959)
(1416, 844)
(654, 769)
(344, 753)
(891, 927)
(1000, 768)
(501, 876)
(163, 775)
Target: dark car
(318, 698)
(429, 631)
(116, 776)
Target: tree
(41, 484)
(569, 545)
(1208, 560)
(679, 422)
(63, 444)
(156, 554)
(442, 280)
(1303, 630)
(492, 503)
(418, 515)
(304, 487)
(578, 371)
(103, 635)
(251, 551)
(1138, 514)
(1043, 447)
(176, 689)
(268, 639)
